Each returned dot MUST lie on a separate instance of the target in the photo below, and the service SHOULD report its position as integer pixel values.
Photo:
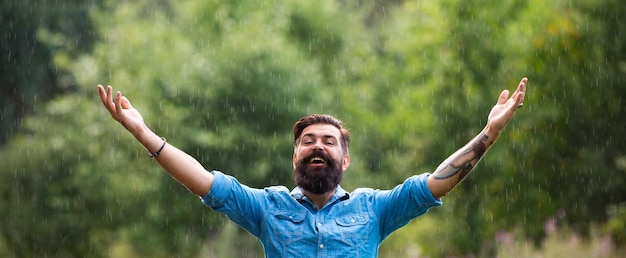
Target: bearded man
(317, 218)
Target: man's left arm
(456, 167)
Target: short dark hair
(306, 121)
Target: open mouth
(317, 160)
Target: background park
(226, 80)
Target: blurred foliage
(32, 34)
(226, 80)
(616, 225)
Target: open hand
(505, 108)
(121, 110)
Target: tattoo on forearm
(463, 161)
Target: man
(317, 218)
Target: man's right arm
(181, 166)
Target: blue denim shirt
(349, 225)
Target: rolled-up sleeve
(242, 204)
(220, 183)
(398, 206)
(421, 194)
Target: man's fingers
(105, 97)
(102, 93)
(126, 103)
(518, 95)
(503, 97)
(118, 103)
(109, 99)
(520, 92)
(521, 87)
(519, 98)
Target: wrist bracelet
(154, 155)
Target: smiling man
(320, 157)
(317, 218)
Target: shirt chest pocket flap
(352, 220)
(295, 216)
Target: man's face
(318, 159)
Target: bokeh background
(226, 80)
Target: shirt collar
(341, 194)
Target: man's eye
(330, 143)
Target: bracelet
(154, 155)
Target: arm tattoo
(463, 161)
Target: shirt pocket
(354, 228)
(288, 226)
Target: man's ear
(345, 163)
(294, 159)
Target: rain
(225, 81)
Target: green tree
(54, 185)
(414, 81)
(577, 139)
(226, 100)
(477, 49)
(33, 32)
(566, 138)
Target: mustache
(317, 154)
(317, 180)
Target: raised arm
(184, 168)
(456, 167)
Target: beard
(317, 180)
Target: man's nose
(318, 145)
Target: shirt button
(321, 245)
(319, 224)
(352, 221)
